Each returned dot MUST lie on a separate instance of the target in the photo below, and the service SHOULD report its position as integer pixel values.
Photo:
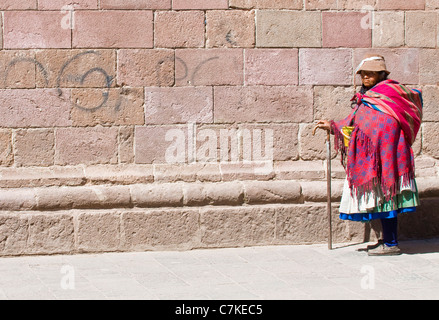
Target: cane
(328, 184)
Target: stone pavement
(253, 273)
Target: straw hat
(372, 62)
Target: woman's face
(369, 78)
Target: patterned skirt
(371, 205)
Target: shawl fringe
(366, 144)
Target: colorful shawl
(398, 101)
(386, 120)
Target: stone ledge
(129, 174)
(180, 194)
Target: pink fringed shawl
(387, 119)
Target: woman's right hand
(323, 124)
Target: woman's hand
(323, 124)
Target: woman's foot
(383, 250)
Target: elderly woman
(375, 144)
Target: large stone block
(288, 29)
(182, 29)
(346, 29)
(239, 226)
(325, 66)
(34, 147)
(135, 4)
(34, 108)
(421, 29)
(202, 5)
(160, 229)
(35, 29)
(6, 149)
(207, 67)
(332, 103)
(428, 66)
(114, 106)
(266, 4)
(62, 4)
(271, 67)
(86, 146)
(388, 29)
(179, 105)
(430, 139)
(75, 68)
(18, 69)
(263, 104)
(98, 231)
(13, 234)
(230, 28)
(145, 68)
(113, 29)
(260, 192)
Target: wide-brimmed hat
(372, 62)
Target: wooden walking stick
(328, 184)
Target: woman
(375, 143)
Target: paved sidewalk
(277, 272)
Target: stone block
(144, 68)
(203, 172)
(388, 29)
(299, 170)
(266, 4)
(113, 29)
(239, 226)
(18, 199)
(164, 144)
(98, 231)
(35, 29)
(34, 147)
(61, 4)
(262, 192)
(313, 147)
(401, 5)
(201, 5)
(421, 29)
(321, 4)
(159, 229)
(126, 144)
(288, 29)
(88, 145)
(34, 108)
(179, 105)
(6, 149)
(325, 67)
(316, 191)
(157, 195)
(179, 29)
(81, 197)
(230, 28)
(301, 224)
(428, 68)
(271, 67)
(430, 142)
(75, 69)
(13, 234)
(18, 5)
(114, 106)
(136, 4)
(50, 233)
(27, 177)
(430, 96)
(18, 68)
(209, 67)
(247, 170)
(332, 103)
(403, 63)
(204, 194)
(346, 29)
(262, 103)
(366, 5)
(120, 174)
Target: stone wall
(159, 124)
